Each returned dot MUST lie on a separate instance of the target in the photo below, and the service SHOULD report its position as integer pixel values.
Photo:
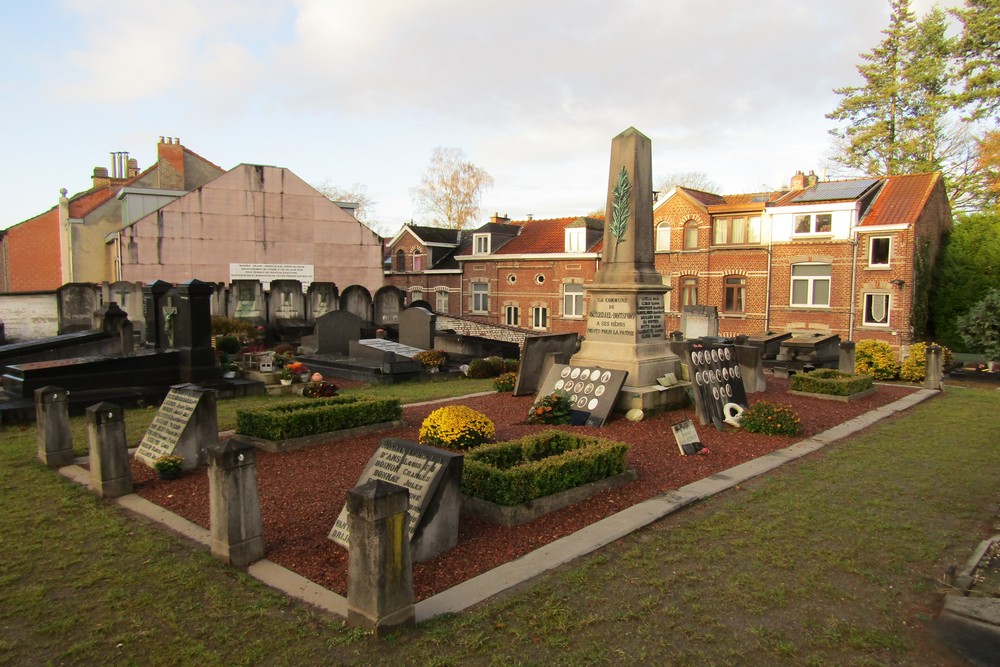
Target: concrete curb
(543, 559)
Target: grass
(832, 560)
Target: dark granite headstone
(593, 391)
(533, 355)
(334, 332)
(417, 328)
(192, 331)
(153, 296)
(433, 477)
(717, 378)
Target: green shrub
(480, 369)
(514, 472)
(228, 344)
(511, 365)
(771, 419)
(831, 382)
(430, 358)
(551, 409)
(914, 367)
(505, 382)
(875, 358)
(456, 427)
(232, 326)
(322, 415)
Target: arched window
(662, 237)
(691, 235)
(418, 260)
(401, 261)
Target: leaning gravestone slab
(687, 437)
(718, 379)
(593, 391)
(533, 354)
(433, 478)
(184, 425)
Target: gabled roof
(850, 189)
(703, 198)
(434, 234)
(901, 201)
(545, 236)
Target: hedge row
(514, 472)
(295, 420)
(831, 382)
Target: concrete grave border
(584, 541)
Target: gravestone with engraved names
(433, 478)
(184, 426)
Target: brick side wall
(33, 260)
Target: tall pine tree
(978, 51)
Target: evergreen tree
(978, 51)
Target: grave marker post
(847, 357)
(55, 442)
(236, 526)
(110, 472)
(933, 372)
(379, 571)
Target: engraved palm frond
(620, 206)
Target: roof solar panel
(834, 190)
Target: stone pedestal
(193, 331)
(153, 296)
(110, 472)
(379, 574)
(55, 443)
(625, 324)
(237, 530)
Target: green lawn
(833, 560)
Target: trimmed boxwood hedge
(295, 420)
(514, 472)
(831, 382)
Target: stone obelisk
(625, 325)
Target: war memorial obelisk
(625, 324)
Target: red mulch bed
(302, 492)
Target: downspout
(770, 261)
(854, 277)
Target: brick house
(421, 262)
(849, 257)
(67, 243)
(531, 274)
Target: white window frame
(573, 300)
(418, 260)
(813, 224)
(727, 224)
(740, 288)
(576, 239)
(416, 295)
(441, 300)
(480, 298)
(868, 304)
(871, 252)
(811, 282)
(691, 233)
(512, 316)
(688, 285)
(663, 237)
(539, 317)
(480, 244)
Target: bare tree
(451, 189)
(356, 194)
(696, 180)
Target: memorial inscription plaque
(182, 427)
(415, 467)
(687, 437)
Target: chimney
(101, 179)
(133, 168)
(812, 179)
(497, 218)
(798, 181)
(170, 163)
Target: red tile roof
(703, 198)
(538, 236)
(901, 200)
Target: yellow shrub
(456, 427)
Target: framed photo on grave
(593, 391)
(686, 437)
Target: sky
(349, 92)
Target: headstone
(593, 391)
(699, 321)
(76, 303)
(686, 437)
(55, 441)
(847, 357)
(717, 379)
(433, 478)
(334, 332)
(389, 305)
(153, 296)
(184, 426)
(625, 323)
(193, 331)
(535, 351)
(769, 343)
(235, 524)
(751, 368)
(110, 470)
(379, 568)
(818, 349)
(417, 328)
(322, 298)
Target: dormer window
(576, 239)
(809, 223)
(480, 244)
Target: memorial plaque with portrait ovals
(599, 391)
(574, 374)
(578, 388)
(565, 372)
(715, 356)
(725, 374)
(589, 389)
(585, 374)
(736, 371)
(728, 354)
(729, 390)
(606, 377)
(592, 404)
(581, 402)
(715, 392)
(559, 384)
